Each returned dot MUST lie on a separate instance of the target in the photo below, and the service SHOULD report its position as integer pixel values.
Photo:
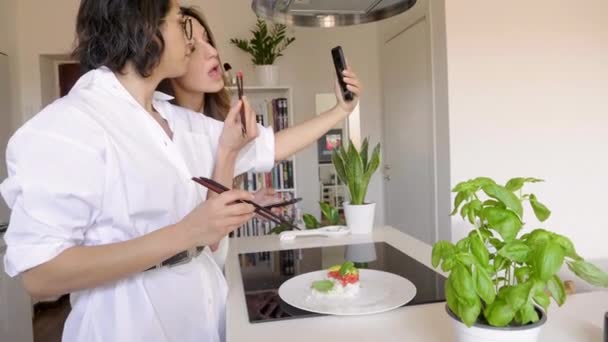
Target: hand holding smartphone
(340, 65)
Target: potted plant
(265, 47)
(355, 169)
(330, 215)
(500, 282)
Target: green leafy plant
(497, 276)
(267, 43)
(355, 168)
(329, 212)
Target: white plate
(379, 292)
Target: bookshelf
(332, 190)
(274, 107)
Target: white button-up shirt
(95, 168)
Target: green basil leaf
(347, 267)
(480, 182)
(516, 295)
(538, 237)
(484, 286)
(463, 283)
(557, 290)
(460, 197)
(499, 263)
(464, 210)
(505, 196)
(323, 285)
(465, 186)
(441, 249)
(516, 251)
(540, 211)
(528, 314)
(466, 259)
(515, 184)
(547, 259)
(499, 313)
(589, 273)
(504, 221)
(463, 245)
(469, 312)
(496, 243)
(451, 297)
(522, 274)
(567, 245)
(542, 299)
(479, 250)
(448, 264)
(492, 203)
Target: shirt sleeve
(54, 189)
(257, 156)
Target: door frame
(433, 13)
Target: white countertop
(580, 319)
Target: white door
(408, 133)
(5, 127)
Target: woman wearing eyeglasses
(99, 185)
(202, 90)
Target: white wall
(528, 84)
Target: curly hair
(113, 32)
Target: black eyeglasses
(187, 26)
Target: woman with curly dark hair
(99, 185)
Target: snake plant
(355, 168)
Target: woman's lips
(215, 73)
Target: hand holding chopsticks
(215, 218)
(262, 211)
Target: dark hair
(113, 32)
(217, 105)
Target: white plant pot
(485, 333)
(360, 218)
(268, 75)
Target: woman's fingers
(229, 197)
(251, 122)
(233, 114)
(355, 90)
(234, 222)
(238, 209)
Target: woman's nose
(210, 51)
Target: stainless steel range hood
(329, 13)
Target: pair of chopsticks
(239, 86)
(283, 204)
(262, 211)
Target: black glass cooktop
(264, 272)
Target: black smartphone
(340, 63)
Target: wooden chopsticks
(264, 212)
(283, 204)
